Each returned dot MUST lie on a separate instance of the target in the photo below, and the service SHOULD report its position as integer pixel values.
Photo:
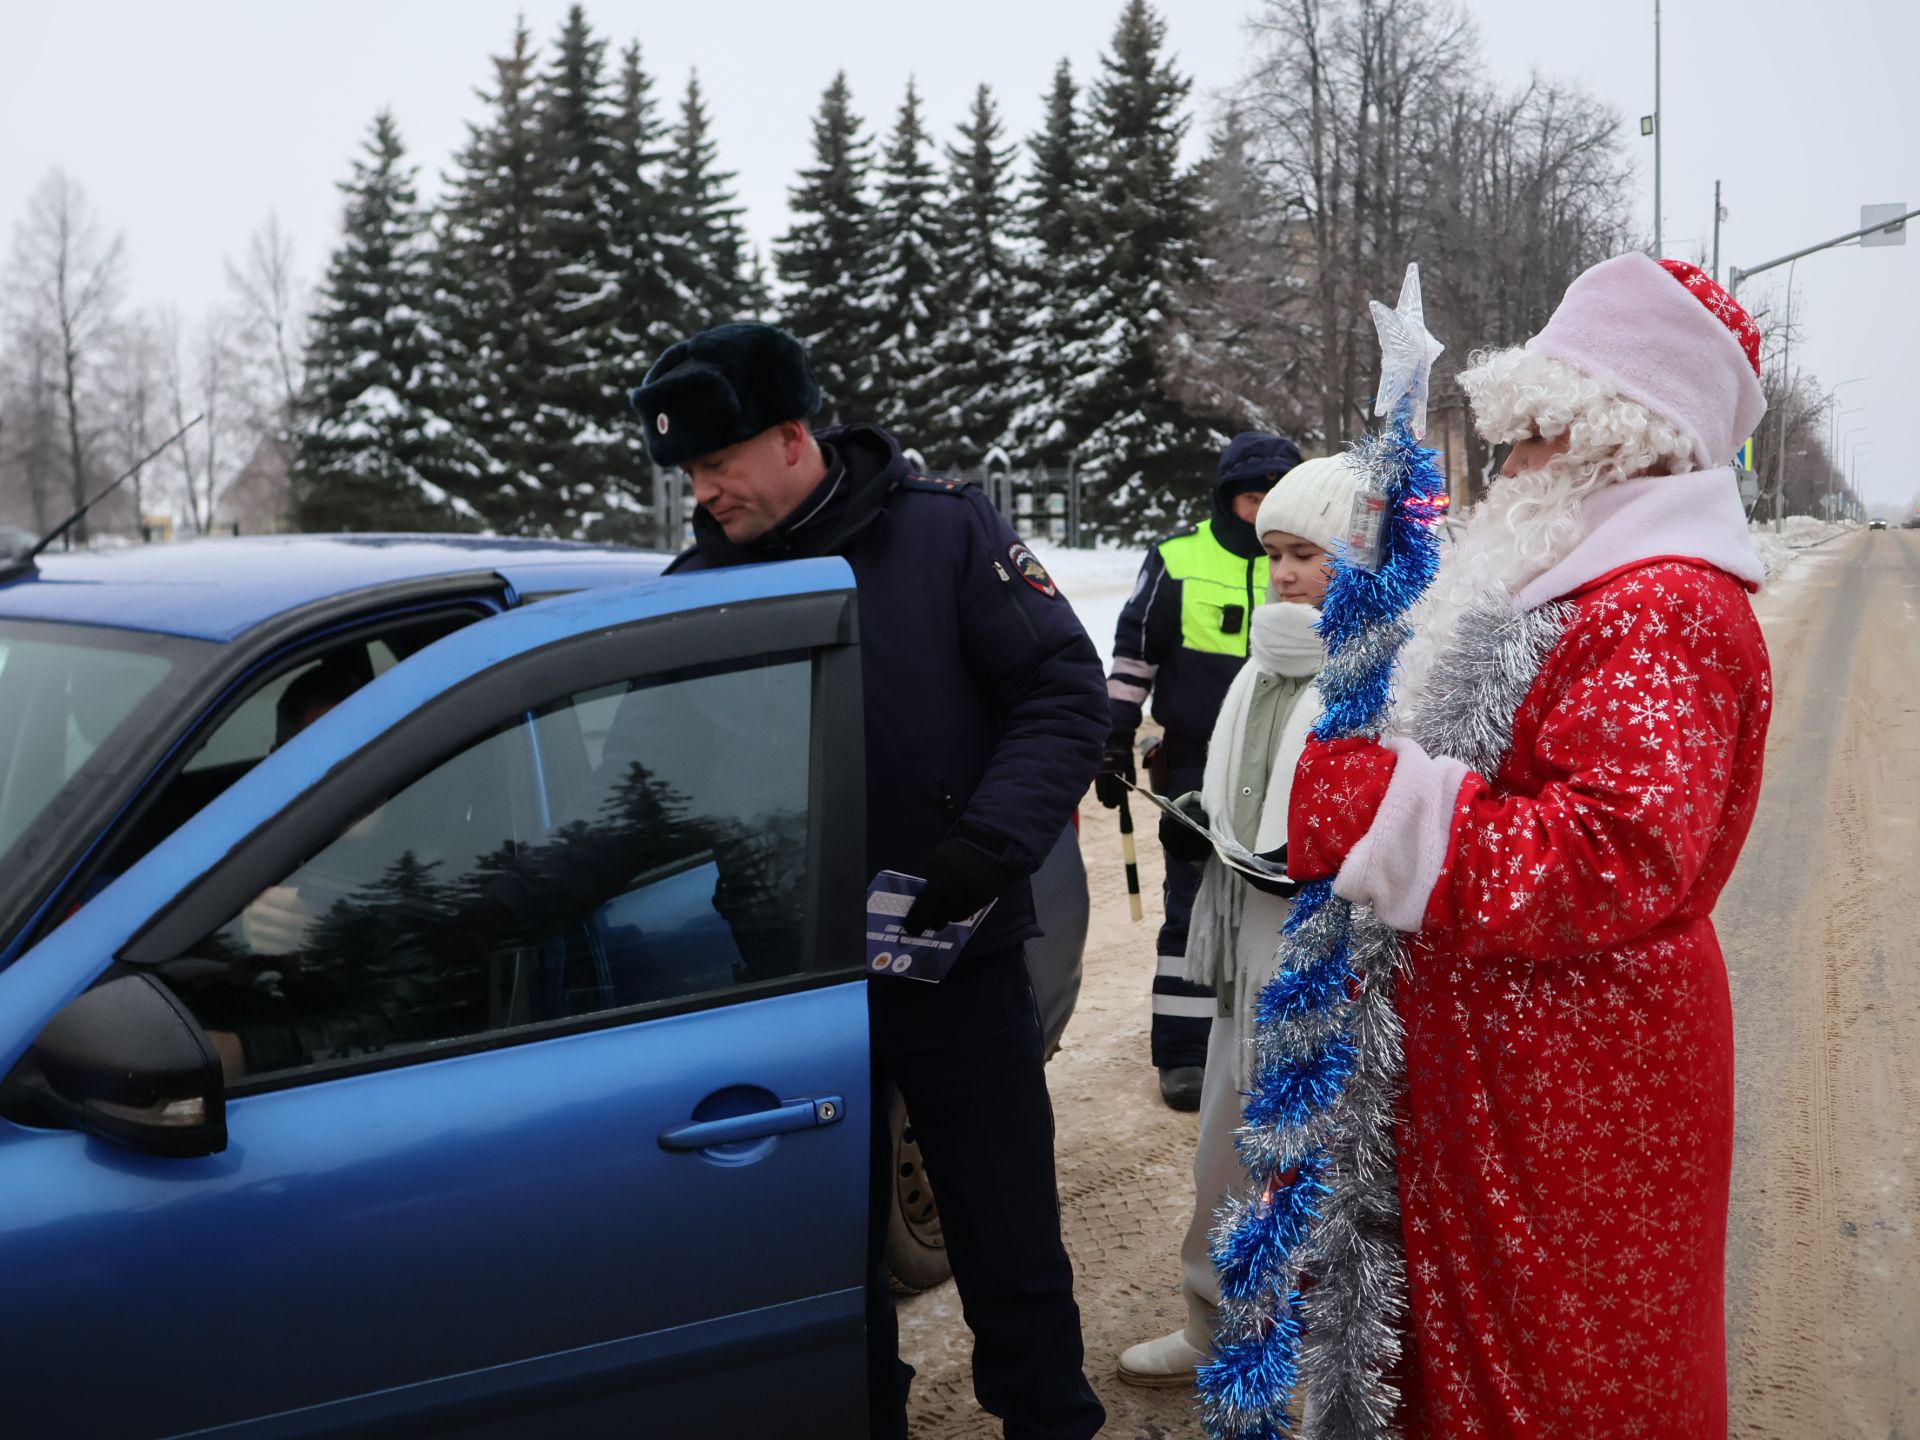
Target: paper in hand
(1232, 853)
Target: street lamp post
(1659, 251)
(1735, 275)
(1786, 404)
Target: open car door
(534, 969)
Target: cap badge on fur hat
(721, 387)
(1721, 305)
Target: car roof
(219, 589)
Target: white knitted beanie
(1314, 500)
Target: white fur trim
(1628, 322)
(1398, 861)
(1698, 515)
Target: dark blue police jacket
(986, 709)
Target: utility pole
(1719, 214)
(1786, 404)
(1659, 251)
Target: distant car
(15, 541)
(548, 1114)
(1876, 524)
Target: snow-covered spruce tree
(590, 454)
(374, 450)
(1233, 352)
(906, 282)
(1056, 286)
(825, 260)
(486, 276)
(972, 355)
(704, 246)
(654, 310)
(1147, 461)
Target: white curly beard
(1527, 524)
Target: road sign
(1749, 488)
(1894, 234)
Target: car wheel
(916, 1246)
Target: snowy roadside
(1798, 533)
(1096, 583)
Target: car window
(287, 697)
(65, 692)
(248, 734)
(638, 846)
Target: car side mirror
(127, 1062)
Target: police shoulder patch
(1031, 570)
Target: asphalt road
(1821, 928)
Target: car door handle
(755, 1125)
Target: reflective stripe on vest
(1213, 581)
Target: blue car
(424, 1010)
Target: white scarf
(1282, 644)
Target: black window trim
(81, 836)
(820, 622)
(240, 689)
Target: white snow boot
(1161, 1364)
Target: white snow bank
(1096, 583)
(1797, 533)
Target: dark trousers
(966, 1056)
(1182, 1012)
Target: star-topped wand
(1322, 1198)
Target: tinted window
(248, 734)
(627, 847)
(70, 699)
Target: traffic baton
(1133, 860)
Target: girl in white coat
(1233, 942)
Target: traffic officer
(984, 722)
(1182, 638)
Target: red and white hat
(1665, 335)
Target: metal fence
(1040, 502)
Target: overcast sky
(187, 122)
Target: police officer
(1182, 638)
(984, 722)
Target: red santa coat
(1566, 1135)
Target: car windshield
(74, 699)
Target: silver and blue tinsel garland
(1317, 1138)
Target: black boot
(1180, 1086)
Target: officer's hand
(1181, 843)
(960, 879)
(1115, 762)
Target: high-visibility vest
(1219, 591)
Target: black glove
(1178, 841)
(1116, 761)
(1279, 884)
(960, 879)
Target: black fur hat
(723, 386)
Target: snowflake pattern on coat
(1566, 1137)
